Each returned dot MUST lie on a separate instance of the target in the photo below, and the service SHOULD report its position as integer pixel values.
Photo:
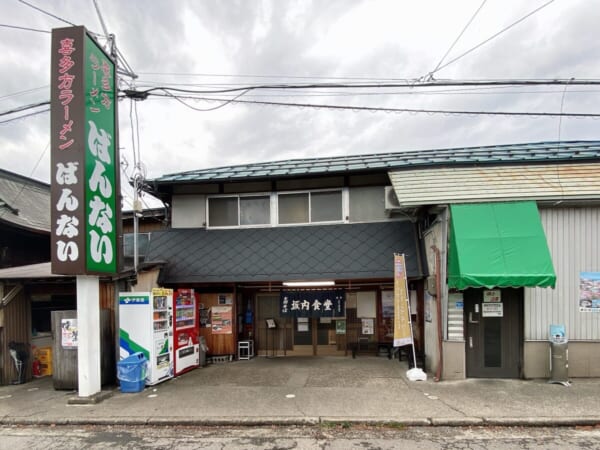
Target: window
(310, 207)
(326, 206)
(293, 208)
(255, 210)
(223, 212)
(275, 209)
(236, 210)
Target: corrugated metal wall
(573, 236)
(16, 321)
(442, 185)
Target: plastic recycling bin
(131, 372)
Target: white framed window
(273, 209)
(310, 207)
(237, 210)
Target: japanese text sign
(85, 189)
(402, 324)
(326, 303)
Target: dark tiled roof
(24, 203)
(539, 152)
(351, 251)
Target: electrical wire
(562, 103)
(225, 102)
(47, 13)
(430, 75)
(492, 37)
(16, 197)
(396, 110)
(24, 108)
(26, 91)
(412, 85)
(24, 28)
(24, 116)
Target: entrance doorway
(295, 336)
(494, 334)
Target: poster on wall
(589, 292)
(69, 333)
(340, 327)
(221, 319)
(367, 326)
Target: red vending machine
(185, 339)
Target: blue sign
(134, 299)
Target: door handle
(470, 342)
(471, 318)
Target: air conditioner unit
(391, 201)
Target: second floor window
(275, 209)
(235, 211)
(310, 207)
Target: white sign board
(492, 310)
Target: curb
(309, 421)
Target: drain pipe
(438, 295)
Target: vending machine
(187, 350)
(146, 326)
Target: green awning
(498, 245)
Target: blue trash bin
(131, 372)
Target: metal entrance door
(494, 334)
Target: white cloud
(342, 38)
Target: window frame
(274, 208)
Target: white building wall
(573, 236)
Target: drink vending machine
(187, 350)
(146, 326)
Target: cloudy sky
(214, 44)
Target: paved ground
(296, 390)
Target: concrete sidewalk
(300, 391)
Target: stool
(246, 349)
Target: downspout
(438, 295)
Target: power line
(16, 197)
(396, 110)
(413, 85)
(26, 91)
(225, 103)
(492, 37)
(25, 115)
(430, 75)
(24, 108)
(24, 28)
(47, 13)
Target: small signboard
(492, 310)
(492, 296)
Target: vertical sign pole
(85, 214)
(88, 325)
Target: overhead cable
(492, 37)
(414, 84)
(430, 75)
(24, 28)
(47, 13)
(397, 110)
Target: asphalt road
(312, 437)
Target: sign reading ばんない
(85, 212)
